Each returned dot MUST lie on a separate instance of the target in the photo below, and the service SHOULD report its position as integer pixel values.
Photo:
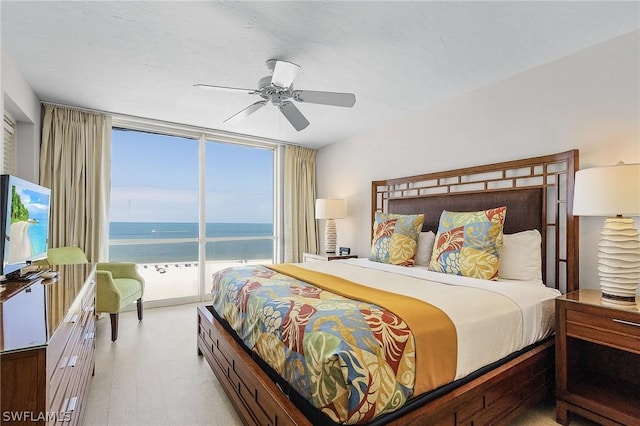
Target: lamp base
(330, 236)
(619, 259)
(618, 299)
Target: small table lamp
(613, 192)
(330, 208)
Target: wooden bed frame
(500, 394)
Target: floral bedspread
(352, 360)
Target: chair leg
(114, 327)
(140, 309)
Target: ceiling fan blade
(245, 112)
(283, 73)
(325, 98)
(293, 114)
(224, 88)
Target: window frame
(202, 136)
(9, 145)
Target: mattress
(491, 319)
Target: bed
(536, 193)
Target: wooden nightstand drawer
(612, 330)
(597, 359)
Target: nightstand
(597, 359)
(325, 257)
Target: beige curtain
(75, 162)
(299, 202)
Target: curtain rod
(212, 132)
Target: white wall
(24, 106)
(589, 100)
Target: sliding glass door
(185, 207)
(239, 182)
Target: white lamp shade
(330, 208)
(607, 191)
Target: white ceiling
(142, 58)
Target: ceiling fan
(277, 88)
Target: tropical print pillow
(395, 238)
(469, 243)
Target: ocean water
(188, 251)
(38, 235)
(37, 232)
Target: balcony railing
(173, 280)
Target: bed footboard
(257, 399)
(496, 397)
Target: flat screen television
(24, 224)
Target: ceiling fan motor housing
(275, 94)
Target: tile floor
(152, 374)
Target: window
(183, 207)
(239, 205)
(9, 146)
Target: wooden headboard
(538, 193)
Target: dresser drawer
(72, 355)
(63, 334)
(71, 361)
(75, 318)
(71, 394)
(615, 330)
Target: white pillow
(521, 257)
(425, 247)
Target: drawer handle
(69, 405)
(635, 324)
(69, 362)
(73, 361)
(72, 403)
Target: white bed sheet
(492, 318)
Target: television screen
(25, 222)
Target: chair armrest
(108, 296)
(121, 270)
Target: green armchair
(118, 283)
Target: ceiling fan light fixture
(284, 73)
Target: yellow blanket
(434, 333)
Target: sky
(154, 178)
(35, 201)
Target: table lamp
(613, 192)
(330, 209)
